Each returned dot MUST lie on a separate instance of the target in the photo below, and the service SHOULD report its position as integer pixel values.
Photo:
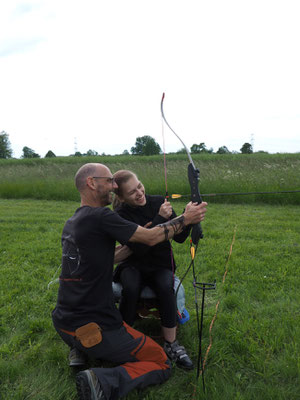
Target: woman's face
(133, 192)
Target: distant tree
(200, 148)
(78, 154)
(246, 148)
(181, 151)
(125, 153)
(29, 153)
(5, 149)
(91, 153)
(145, 146)
(197, 148)
(50, 154)
(223, 150)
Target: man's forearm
(159, 233)
(173, 227)
(194, 213)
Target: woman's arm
(121, 253)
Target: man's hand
(194, 213)
(165, 210)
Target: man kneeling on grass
(85, 315)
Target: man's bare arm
(194, 213)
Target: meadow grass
(255, 337)
(52, 178)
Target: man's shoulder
(87, 210)
(94, 214)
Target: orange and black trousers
(141, 361)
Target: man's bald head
(90, 169)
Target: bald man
(85, 315)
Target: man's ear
(90, 182)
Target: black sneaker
(88, 386)
(76, 358)
(178, 354)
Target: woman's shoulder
(122, 209)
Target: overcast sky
(90, 74)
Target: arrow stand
(203, 287)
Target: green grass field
(255, 337)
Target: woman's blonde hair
(122, 176)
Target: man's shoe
(178, 354)
(88, 386)
(76, 358)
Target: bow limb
(193, 175)
(166, 122)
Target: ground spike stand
(202, 286)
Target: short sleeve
(117, 227)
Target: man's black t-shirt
(88, 243)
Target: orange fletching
(193, 252)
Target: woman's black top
(148, 258)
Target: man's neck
(85, 201)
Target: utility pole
(75, 145)
(252, 141)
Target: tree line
(144, 146)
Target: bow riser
(193, 175)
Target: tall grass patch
(238, 173)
